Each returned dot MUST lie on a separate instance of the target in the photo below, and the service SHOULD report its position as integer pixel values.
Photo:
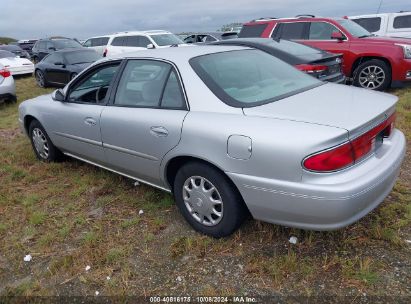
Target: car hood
(389, 40)
(340, 106)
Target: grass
(69, 215)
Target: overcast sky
(24, 19)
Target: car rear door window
(93, 87)
(370, 24)
(293, 30)
(119, 41)
(104, 41)
(137, 41)
(173, 95)
(321, 31)
(254, 30)
(402, 22)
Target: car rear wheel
(41, 143)
(373, 74)
(41, 81)
(208, 200)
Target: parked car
(16, 65)
(27, 45)
(209, 37)
(43, 47)
(137, 41)
(60, 67)
(372, 62)
(7, 86)
(227, 130)
(387, 24)
(315, 62)
(16, 50)
(98, 44)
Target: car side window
(93, 87)
(370, 24)
(293, 30)
(49, 45)
(53, 58)
(190, 39)
(150, 84)
(118, 41)
(321, 31)
(42, 45)
(87, 43)
(401, 22)
(209, 38)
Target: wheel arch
(27, 121)
(361, 59)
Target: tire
(40, 79)
(41, 143)
(194, 203)
(35, 59)
(373, 74)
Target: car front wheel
(373, 74)
(41, 81)
(41, 143)
(208, 200)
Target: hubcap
(203, 201)
(40, 78)
(40, 143)
(372, 77)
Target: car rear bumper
(22, 70)
(329, 202)
(7, 89)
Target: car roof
(150, 32)
(179, 53)
(302, 18)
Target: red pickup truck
(371, 62)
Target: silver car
(7, 86)
(230, 131)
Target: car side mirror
(151, 46)
(337, 36)
(58, 95)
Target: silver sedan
(230, 131)
(7, 86)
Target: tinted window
(53, 58)
(209, 38)
(295, 30)
(250, 77)
(370, 24)
(402, 22)
(173, 96)
(190, 39)
(104, 41)
(6, 54)
(118, 41)
(81, 57)
(252, 30)
(137, 41)
(321, 31)
(49, 45)
(93, 85)
(66, 43)
(166, 39)
(142, 83)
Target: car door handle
(159, 131)
(90, 121)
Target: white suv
(135, 41)
(98, 44)
(389, 24)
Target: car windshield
(81, 57)
(249, 78)
(66, 43)
(6, 54)
(354, 29)
(166, 39)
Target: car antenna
(379, 7)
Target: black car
(27, 45)
(15, 49)
(62, 66)
(209, 37)
(318, 63)
(43, 47)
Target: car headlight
(407, 50)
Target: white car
(389, 24)
(16, 65)
(136, 41)
(98, 44)
(7, 85)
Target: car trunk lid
(353, 109)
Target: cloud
(84, 18)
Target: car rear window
(370, 24)
(254, 30)
(166, 39)
(248, 78)
(402, 22)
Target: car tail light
(5, 73)
(105, 53)
(311, 68)
(350, 152)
